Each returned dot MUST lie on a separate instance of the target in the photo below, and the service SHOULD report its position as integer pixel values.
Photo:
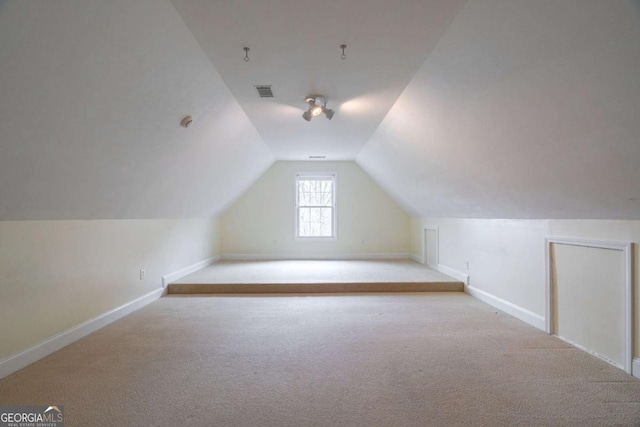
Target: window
(316, 205)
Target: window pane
(315, 222)
(317, 192)
(315, 205)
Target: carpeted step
(314, 288)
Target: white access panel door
(431, 247)
(589, 299)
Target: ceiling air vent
(264, 91)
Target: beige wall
(55, 275)
(262, 221)
(507, 257)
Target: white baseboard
(417, 258)
(514, 310)
(453, 273)
(635, 368)
(20, 360)
(506, 306)
(176, 275)
(256, 257)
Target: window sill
(315, 239)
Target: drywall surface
(92, 94)
(262, 221)
(614, 231)
(292, 48)
(55, 275)
(524, 109)
(589, 290)
(507, 257)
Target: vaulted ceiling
(295, 47)
(525, 109)
(479, 108)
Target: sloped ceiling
(525, 109)
(91, 98)
(485, 108)
(295, 47)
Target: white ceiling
(91, 97)
(485, 108)
(295, 48)
(525, 109)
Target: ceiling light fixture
(317, 106)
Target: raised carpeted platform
(315, 276)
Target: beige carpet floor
(436, 359)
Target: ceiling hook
(343, 47)
(246, 53)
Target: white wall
(620, 231)
(590, 281)
(262, 221)
(507, 257)
(55, 275)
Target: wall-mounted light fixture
(186, 122)
(317, 106)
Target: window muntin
(315, 206)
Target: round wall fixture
(186, 122)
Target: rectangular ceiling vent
(264, 91)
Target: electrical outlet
(142, 274)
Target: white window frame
(334, 210)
